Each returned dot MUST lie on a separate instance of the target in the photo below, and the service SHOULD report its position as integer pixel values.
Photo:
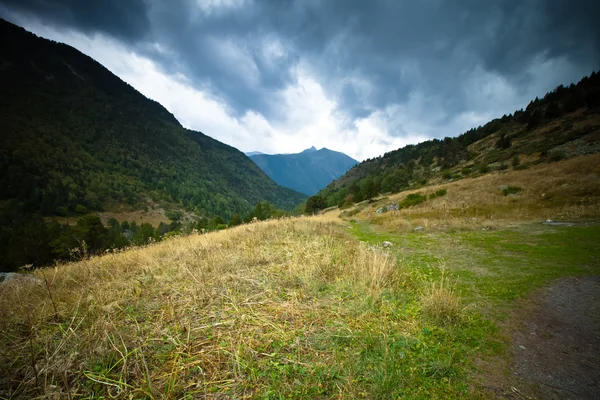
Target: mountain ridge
(308, 171)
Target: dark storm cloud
(125, 19)
(367, 54)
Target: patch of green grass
(490, 269)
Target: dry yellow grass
(440, 300)
(564, 190)
(188, 315)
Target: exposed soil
(555, 340)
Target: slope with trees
(75, 139)
(565, 122)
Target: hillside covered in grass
(310, 307)
(563, 124)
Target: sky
(361, 77)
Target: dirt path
(555, 339)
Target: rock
(548, 221)
(393, 207)
(502, 187)
(13, 278)
(381, 210)
(418, 228)
(387, 244)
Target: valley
(142, 259)
(310, 306)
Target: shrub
(79, 209)
(484, 169)
(556, 156)
(351, 213)
(447, 175)
(511, 190)
(466, 171)
(502, 167)
(62, 211)
(521, 167)
(438, 193)
(516, 161)
(412, 200)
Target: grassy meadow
(310, 307)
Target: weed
(440, 300)
(511, 190)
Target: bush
(466, 171)
(351, 213)
(556, 156)
(447, 175)
(484, 169)
(412, 200)
(438, 193)
(79, 209)
(521, 167)
(511, 190)
(516, 161)
(502, 167)
(62, 211)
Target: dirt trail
(555, 340)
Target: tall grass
(191, 316)
(568, 189)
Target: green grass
(490, 269)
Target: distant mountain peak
(308, 171)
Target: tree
(235, 220)
(93, 232)
(315, 204)
(504, 142)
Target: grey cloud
(399, 48)
(125, 19)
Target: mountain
(308, 171)
(75, 139)
(75, 134)
(563, 124)
(253, 153)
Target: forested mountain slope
(564, 123)
(308, 171)
(75, 140)
(72, 133)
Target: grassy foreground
(296, 308)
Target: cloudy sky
(362, 77)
